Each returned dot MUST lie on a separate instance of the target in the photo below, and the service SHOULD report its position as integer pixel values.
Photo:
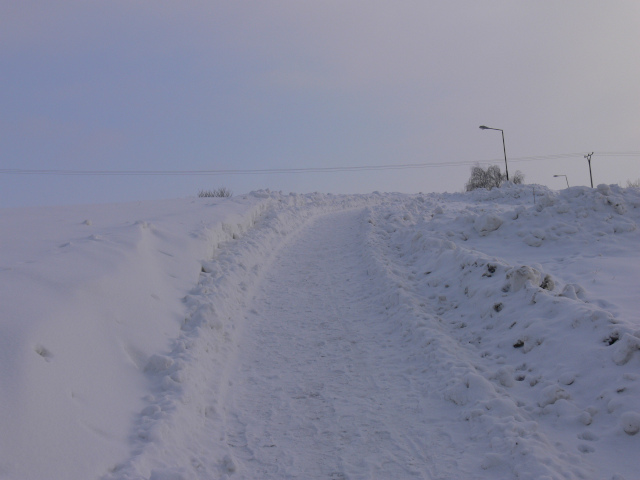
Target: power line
(272, 171)
(238, 171)
(619, 154)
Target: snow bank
(89, 294)
(541, 359)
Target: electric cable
(285, 170)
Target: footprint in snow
(584, 448)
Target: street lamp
(506, 169)
(565, 177)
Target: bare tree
(481, 178)
(490, 178)
(518, 178)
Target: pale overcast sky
(115, 85)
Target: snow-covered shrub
(218, 192)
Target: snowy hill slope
(536, 321)
(127, 331)
(88, 294)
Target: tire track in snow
(323, 387)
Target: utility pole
(588, 157)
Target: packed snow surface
(491, 334)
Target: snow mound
(519, 343)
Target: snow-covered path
(322, 386)
(439, 336)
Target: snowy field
(486, 335)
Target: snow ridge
(517, 349)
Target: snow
(490, 334)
